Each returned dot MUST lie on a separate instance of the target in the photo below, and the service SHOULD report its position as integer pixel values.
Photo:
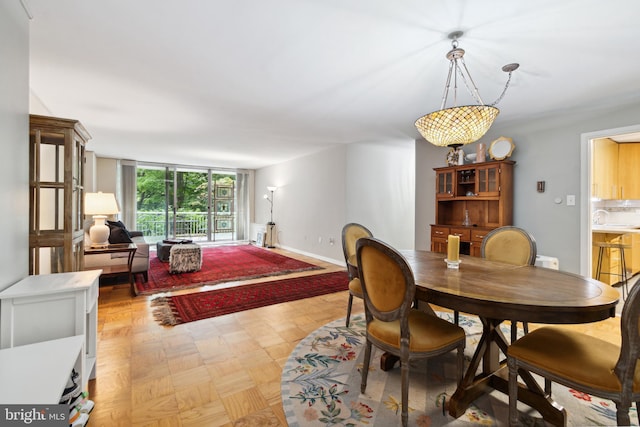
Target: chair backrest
(387, 282)
(630, 348)
(350, 235)
(511, 245)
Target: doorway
(587, 204)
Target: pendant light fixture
(459, 125)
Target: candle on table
(453, 248)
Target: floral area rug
(220, 264)
(321, 386)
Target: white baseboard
(341, 263)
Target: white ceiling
(249, 83)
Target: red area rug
(220, 264)
(178, 309)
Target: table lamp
(99, 205)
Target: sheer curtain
(128, 193)
(244, 180)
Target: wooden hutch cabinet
(56, 194)
(483, 191)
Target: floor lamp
(270, 224)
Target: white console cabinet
(51, 306)
(49, 364)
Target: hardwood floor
(223, 371)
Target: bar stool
(624, 279)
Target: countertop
(615, 229)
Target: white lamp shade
(100, 205)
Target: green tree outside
(191, 189)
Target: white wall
(36, 106)
(309, 202)
(106, 175)
(90, 164)
(381, 184)
(373, 184)
(428, 156)
(14, 139)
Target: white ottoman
(185, 258)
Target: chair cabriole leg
(404, 371)
(622, 413)
(365, 366)
(350, 303)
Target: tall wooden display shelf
(484, 191)
(56, 199)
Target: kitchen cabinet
(483, 191)
(605, 169)
(615, 173)
(627, 170)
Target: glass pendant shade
(457, 126)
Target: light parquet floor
(223, 371)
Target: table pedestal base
(494, 376)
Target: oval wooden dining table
(496, 292)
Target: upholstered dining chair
(350, 234)
(395, 327)
(510, 245)
(583, 362)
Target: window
(194, 203)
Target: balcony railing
(191, 225)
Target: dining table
(498, 292)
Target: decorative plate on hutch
(501, 148)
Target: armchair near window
(119, 234)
